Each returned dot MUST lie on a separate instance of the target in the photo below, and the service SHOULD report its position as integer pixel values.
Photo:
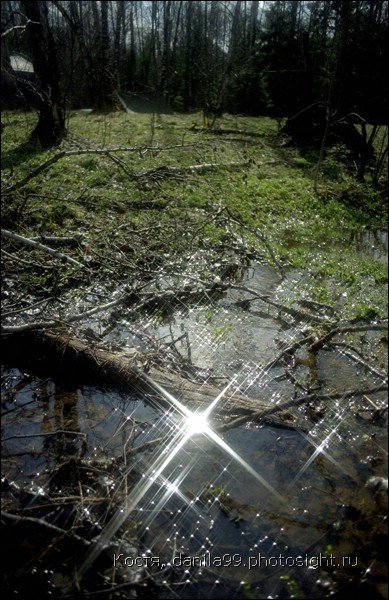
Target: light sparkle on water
(192, 424)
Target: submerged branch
(44, 434)
(362, 362)
(42, 527)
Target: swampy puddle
(255, 512)
(267, 509)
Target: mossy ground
(308, 227)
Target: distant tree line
(246, 57)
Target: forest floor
(197, 261)
(190, 188)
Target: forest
(194, 299)
(253, 58)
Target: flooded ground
(254, 512)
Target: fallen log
(172, 171)
(80, 361)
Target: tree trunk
(105, 99)
(166, 50)
(131, 59)
(51, 125)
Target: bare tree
(51, 124)
(105, 99)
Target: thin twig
(26, 308)
(45, 434)
(360, 361)
(263, 414)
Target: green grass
(273, 194)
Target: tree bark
(106, 97)
(51, 125)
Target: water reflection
(208, 506)
(61, 419)
(75, 445)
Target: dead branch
(289, 351)
(360, 361)
(70, 319)
(40, 526)
(260, 237)
(16, 27)
(54, 239)
(346, 329)
(26, 308)
(36, 325)
(171, 171)
(125, 370)
(154, 301)
(44, 434)
(104, 151)
(262, 416)
(147, 446)
(301, 315)
(21, 261)
(38, 246)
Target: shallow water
(270, 508)
(257, 512)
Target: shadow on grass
(23, 152)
